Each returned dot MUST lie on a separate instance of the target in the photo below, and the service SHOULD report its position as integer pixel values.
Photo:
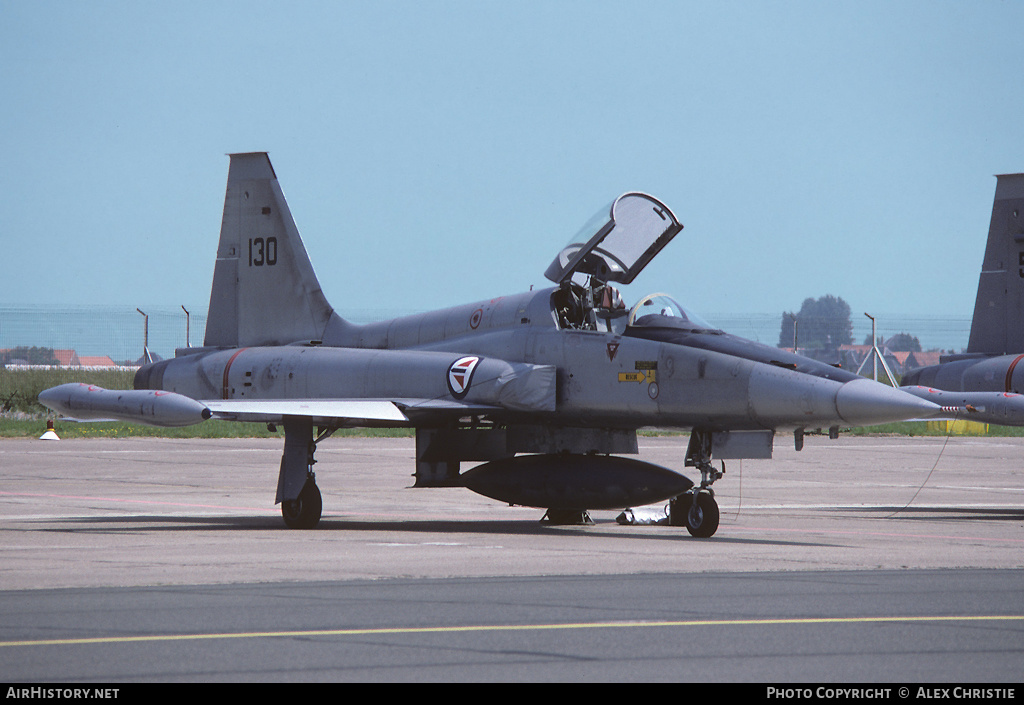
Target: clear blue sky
(436, 153)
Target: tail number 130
(262, 251)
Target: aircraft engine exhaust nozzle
(87, 402)
(581, 482)
(864, 402)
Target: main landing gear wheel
(303, 512)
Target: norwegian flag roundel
(460, 375)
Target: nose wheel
(697, 510)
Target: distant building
(96, 361)
(143, 361)
(923, 359)
(901, 357)
(67, 358)
(850, 356)
(853, 356)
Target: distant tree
(903, 342)
(33, 355)
(821, 323)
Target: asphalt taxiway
(862, 557)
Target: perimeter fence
(119, 333)
(939, 333)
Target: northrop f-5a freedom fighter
(545, 389)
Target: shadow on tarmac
(151, 523)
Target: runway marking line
(509, 628)
(886, 534)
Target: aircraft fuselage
(603, 379)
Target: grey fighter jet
(545, 389)
(987, 382)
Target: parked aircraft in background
(986, 383)
(549, 387)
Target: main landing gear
(697, 509)
(304, 511)
(297, 493)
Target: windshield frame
(681, 315)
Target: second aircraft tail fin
(998, 324)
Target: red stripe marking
(227, 368)
(1009, 372)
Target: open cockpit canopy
(618, 241)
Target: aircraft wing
(503, 389)
(347, 412)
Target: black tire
(303, 512)
(702, 519)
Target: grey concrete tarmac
(894, 628)
(138, 511)
(862, 559)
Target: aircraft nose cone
(48, 396)
(863, 402)
(56, 398)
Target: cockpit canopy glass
(618, 241)
(661, 310)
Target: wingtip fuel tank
(150, 407)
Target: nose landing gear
(697, 509)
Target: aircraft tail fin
(998, 324)
(264, 289)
